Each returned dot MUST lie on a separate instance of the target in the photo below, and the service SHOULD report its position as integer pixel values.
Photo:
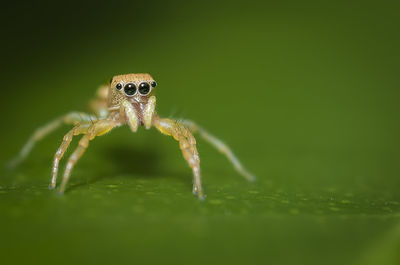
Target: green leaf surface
(305, 94)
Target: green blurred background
(306, 94)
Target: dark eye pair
(130, 88)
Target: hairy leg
(78, 129)
(40, 133)
(221, 147)
(98, 128)
(187, 143)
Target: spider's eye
(153, 84)
(119, 86)
(130, 89)
(144, 88)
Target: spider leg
(98, 128)
(40, 133)
(78, 129)
(187, 144)
(221, 147)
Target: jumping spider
(127, 99)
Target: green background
(305, 93)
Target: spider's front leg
(92, 130)
(187, 143)
(77, 130)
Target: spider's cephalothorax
(127, 99)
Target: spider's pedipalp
(149, 112)
(129, 112)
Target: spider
(127, 99)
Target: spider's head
(133, 87)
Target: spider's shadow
(128, 161)
(137, 163)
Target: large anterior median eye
(144, 88)
(130, 89)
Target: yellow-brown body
(127, 99)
